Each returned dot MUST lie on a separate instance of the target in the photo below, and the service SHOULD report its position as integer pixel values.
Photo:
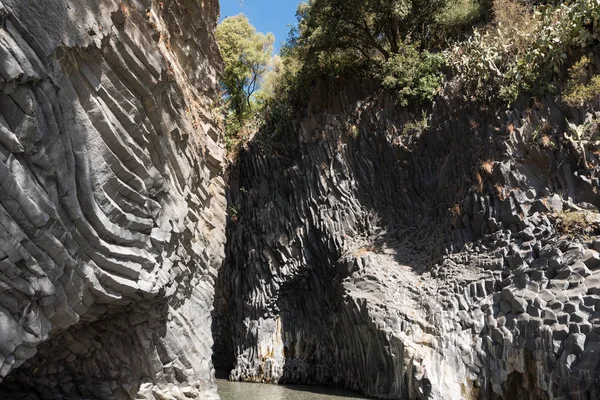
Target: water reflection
(252, 391)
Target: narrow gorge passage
(369, 213)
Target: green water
(253, 391)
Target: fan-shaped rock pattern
(112, 207)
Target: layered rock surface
(432, 266)
(112, 207)
(428, 266)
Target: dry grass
(517, 27)
(479, 180)
(578, 223)
(514, 14)
(547, 142)
(500, 191)
(455, 210)
(370, 248)
(487, 166)
(124, 10)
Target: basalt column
(112, 208)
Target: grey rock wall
(420, 267)
(406, 267)
(112, 207)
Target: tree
(371, 28)
(246, 54)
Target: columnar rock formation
(421, 267)
(112, 207)
(456, 263)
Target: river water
(253, 391)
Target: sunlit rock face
(112, 208)
(414, 267)
(361, 255)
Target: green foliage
(233, 129)
(246, 54)
(407, 46)
(234, 213)
(283, 78)
(460, 12)
(585, 137)
(587, 132)
(458, 18)
(247, 60)
(372, 39)
(415, 127)
(363, 29)
(525, 50)
(240, 127)
(581, 88)
(352, 129)
(415, 75)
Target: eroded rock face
(112, 208)
(423, 269)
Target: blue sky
(266, 15)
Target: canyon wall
(363, 251)
(368, 253)
(112, 206)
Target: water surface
(254, 391)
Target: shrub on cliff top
(582, 88)
(383, 40)
(526, 49)
(457, 20)
(416, 76)
(367, 28)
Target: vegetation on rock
(490, 51)
(578, 223)
(525, 49)
(246, 55)
(582, 88)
